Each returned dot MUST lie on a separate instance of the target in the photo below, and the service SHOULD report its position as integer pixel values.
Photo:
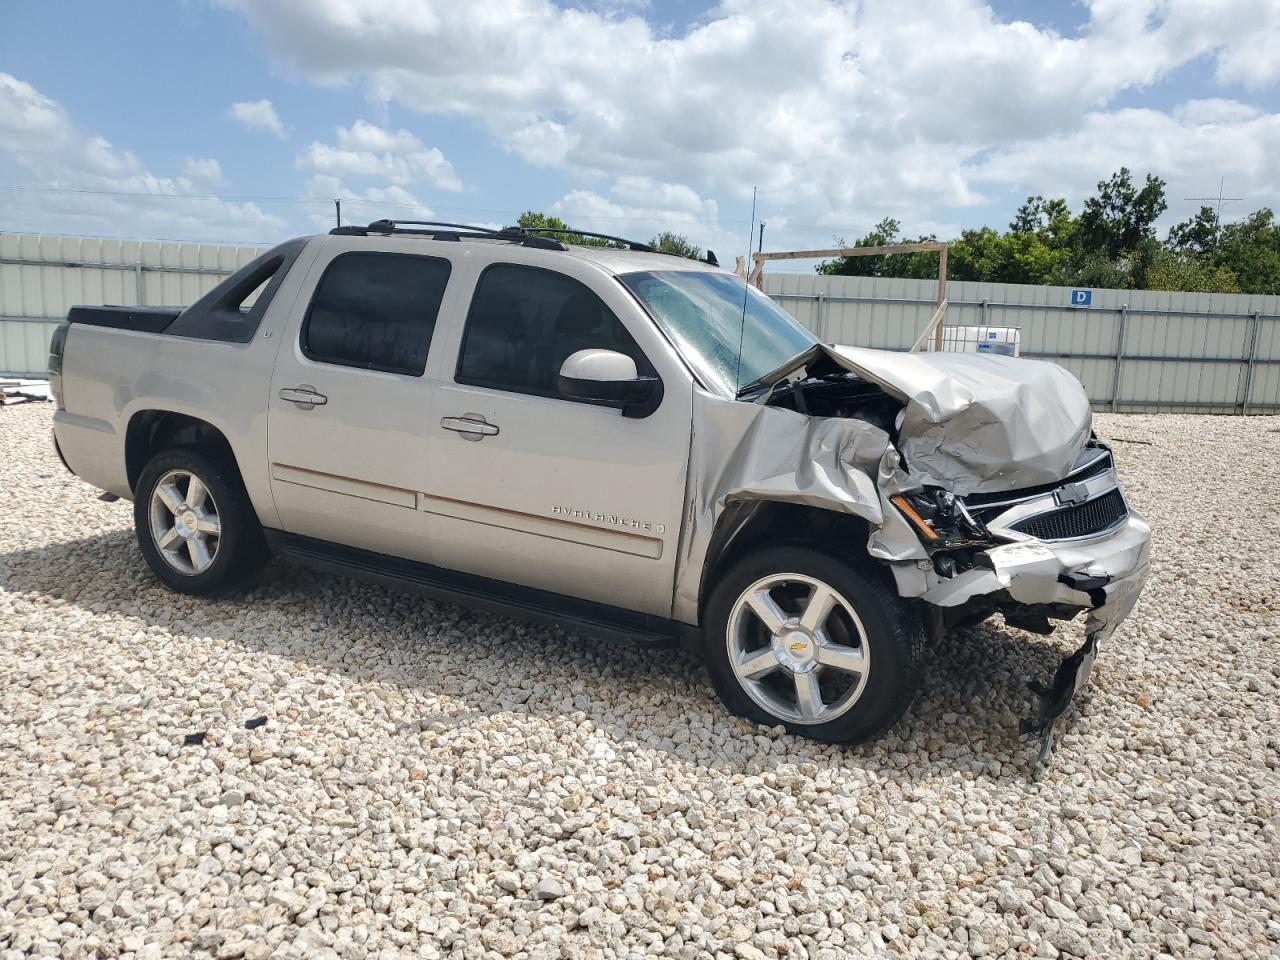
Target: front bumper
(1065, 573)
(1103, 575)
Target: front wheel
(194, 522)
(800, 637)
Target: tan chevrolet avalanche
(626, 443)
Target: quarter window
(376, 311)
(524, 322)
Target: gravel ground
(434, 782)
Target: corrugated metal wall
(1134, 350)
(41, 276)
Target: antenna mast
(1217, 201)
(746, 290)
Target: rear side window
(524, 322)
(376, 311)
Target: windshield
(702, 314)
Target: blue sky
(622, 116)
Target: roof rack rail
(397, 226)
(629, 244)
(442, 230)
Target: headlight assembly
(940, 518)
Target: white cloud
(361, 205)
(204, 170)
(369, 151)
(82, 183)
(29, 120)
(543, 143)
(1190, 149)
(638, 208)
(257, 115)
(842, 112)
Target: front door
(529, 487)
(349, 405)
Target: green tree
(1051, 220)
(887, 231)
(1170, 270)
(677, 244)
(1120, 217)
(1112, 243)
(1250, 249)
(536, 222)
(1097, 270)
(1015, 257)
(1197, 236)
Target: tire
(229, 556)
(862, 664)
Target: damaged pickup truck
(621, 442)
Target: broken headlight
(940, 518)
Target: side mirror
(610, 378)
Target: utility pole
(337, 206)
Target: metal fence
(42, 276)
(1133, 350)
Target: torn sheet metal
(975, 423)
(1113, 602)
(1106, 578)
(1033, 572)
(1070, 678)
(744, 451)
(972, 423)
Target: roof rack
(397, 226)
(629, 244)
(442, 230)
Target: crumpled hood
(977, 423)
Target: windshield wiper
(781, 371)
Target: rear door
(350, 404)
(532, 488)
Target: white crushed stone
(434, 782)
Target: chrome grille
(983, 501)
(1080, 520)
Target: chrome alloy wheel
(184, 522)
(798, 649)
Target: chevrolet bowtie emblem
(1072, 493)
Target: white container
(1005, 341)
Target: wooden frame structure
(935, 324)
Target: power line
(163, 196)
(245, 198)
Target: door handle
(472, 426)
(304, 396)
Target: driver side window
(525, 321)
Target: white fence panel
(42, 276)
(1135, 350)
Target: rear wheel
(800, 637)
(195, 525)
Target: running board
(587, 617)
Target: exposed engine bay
(840, 394)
